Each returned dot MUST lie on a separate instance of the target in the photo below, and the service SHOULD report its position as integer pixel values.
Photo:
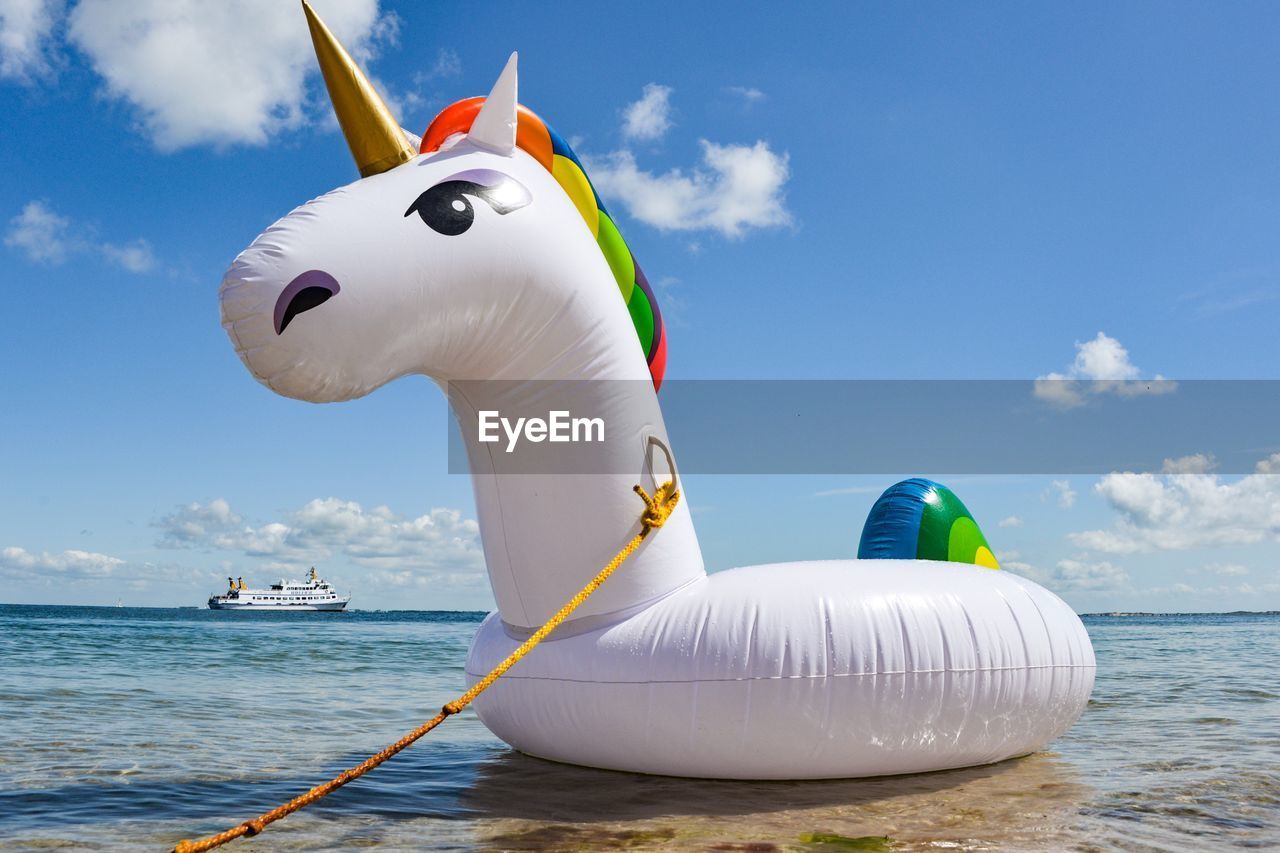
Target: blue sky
(838, 191)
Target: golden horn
(374, 136)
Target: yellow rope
(657, 510)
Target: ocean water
(139, 727)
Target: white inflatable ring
(802, 671)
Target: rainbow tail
(919, 519)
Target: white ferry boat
(312, 594)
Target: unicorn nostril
(306, 291)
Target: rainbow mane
(541, 142)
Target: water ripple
(126, 727)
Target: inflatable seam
(1022, 635)
(973, 631)
(510, 677)
(704, 614)
(828, 647)
(947, 659)
(909, 656)
(1048, 634)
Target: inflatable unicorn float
(482, 252)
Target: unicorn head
(467, 259)
(483, 254)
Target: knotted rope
(657, 510)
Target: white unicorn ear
(495, 126)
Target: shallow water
(139, 727)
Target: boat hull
(329, 606)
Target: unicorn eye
(445, 207)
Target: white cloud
(1214, 592)
(1094, 577)
(1197, 463)
(749, 94)
(1011, 521)
(1065, 494)
(1101, 366)
(134, 257)
(1228, 570)
(25, 30)
(733, 189)
(649, 118)
(86, 567)
(1176, 511)
(47, 237)
(215, 73)
(440, 541)
(475, 583)
(19, 563)
(736, 188)
(1103, 358)
(197, 523)
(447, 64)
(1058, 390)
(1009, 561)
(39, 233)
(1069, 575)
(670, 296)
